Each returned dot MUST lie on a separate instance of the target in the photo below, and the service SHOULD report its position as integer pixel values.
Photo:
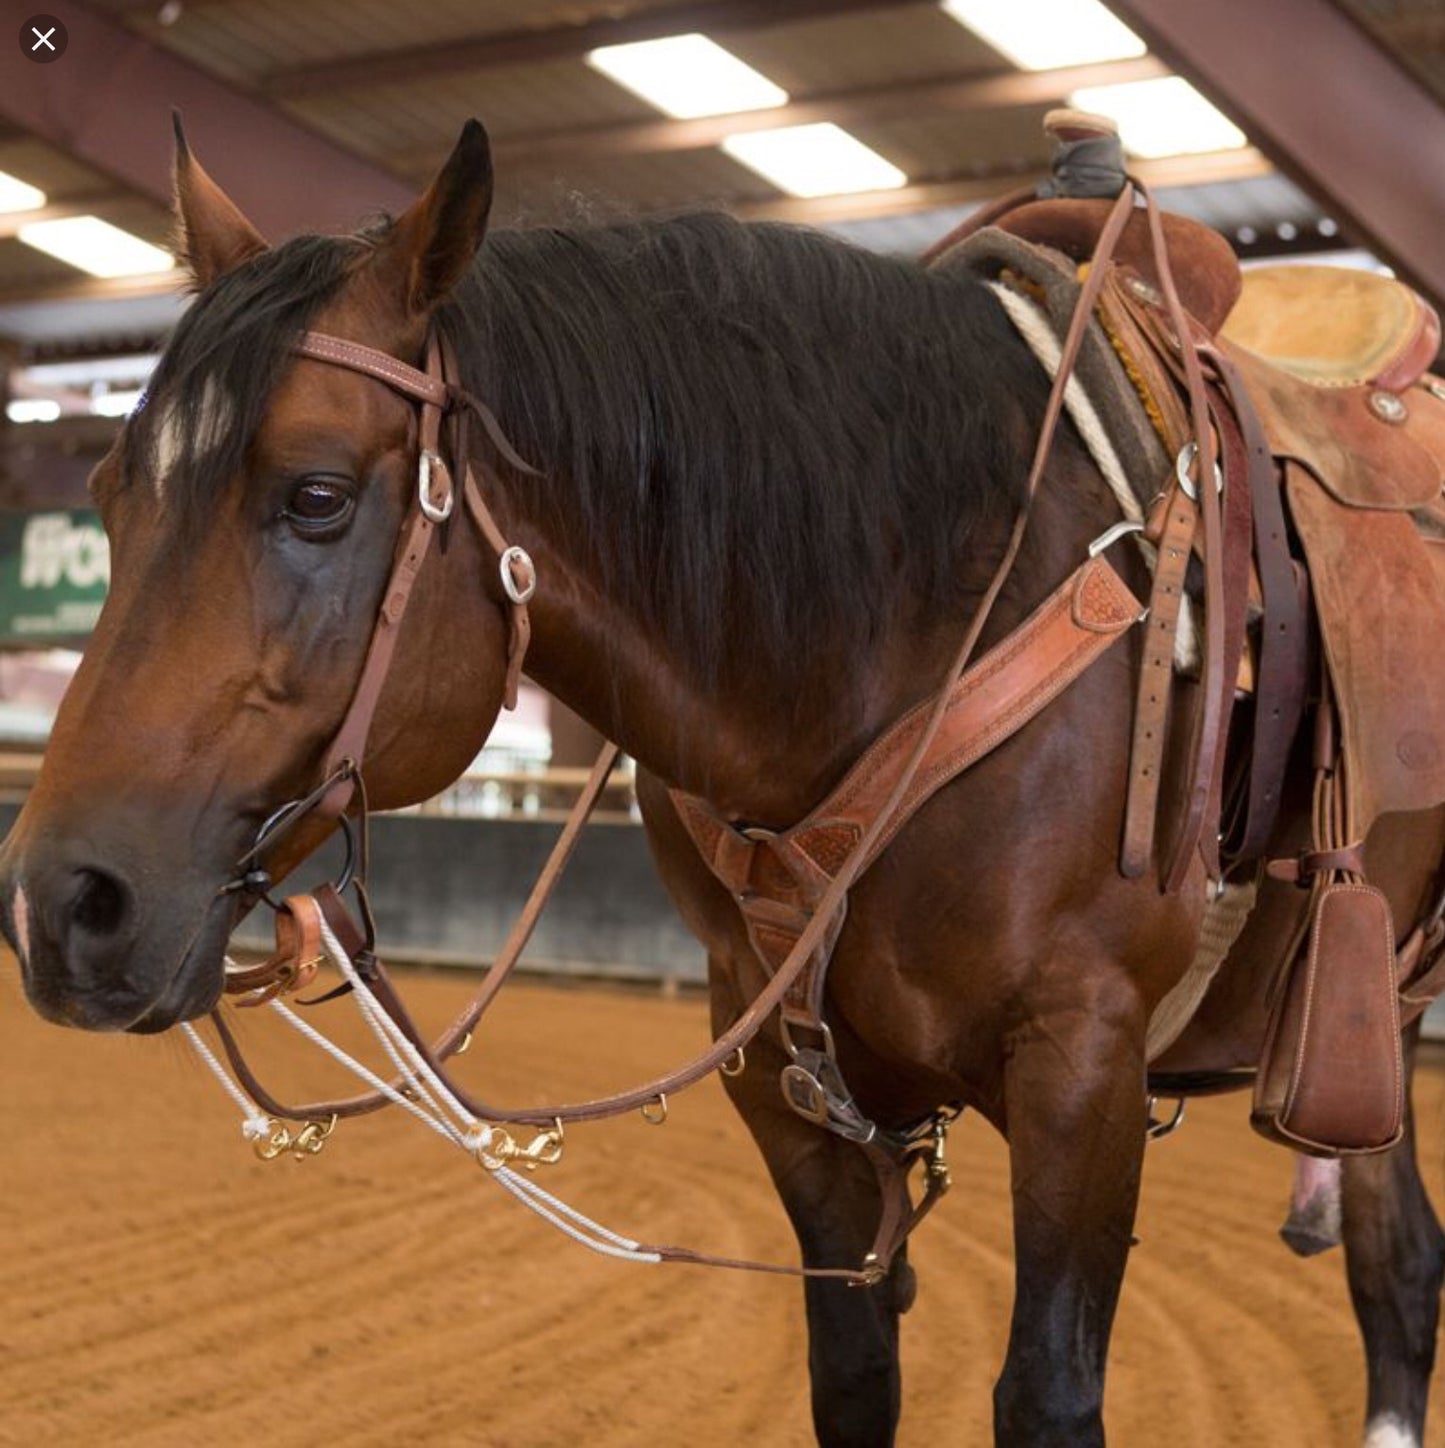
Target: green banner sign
(54, 571)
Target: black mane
(763, 438)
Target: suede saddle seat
(1336, 327)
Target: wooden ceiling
(316, 114)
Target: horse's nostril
(99, 903)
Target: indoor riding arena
(722, 723)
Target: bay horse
(770, 476)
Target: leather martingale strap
(778, 880)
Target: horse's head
(253, 505)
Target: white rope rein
(256, 1125)
(425, 1096)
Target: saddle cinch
(1332, 592)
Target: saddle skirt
(1363, 475)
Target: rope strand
(425, 1096)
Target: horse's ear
(429, 249)
(213, 236)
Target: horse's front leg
(1395, 1257)
(1075, 1113)
(832, 1198)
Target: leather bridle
(430, 507)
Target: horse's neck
(769, 746)
(722, 743)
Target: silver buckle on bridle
(517, 592)
(1186, 459)
(426, 463)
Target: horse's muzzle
(92, 957)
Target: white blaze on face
(216, 415)
(21, 912)
(1388, 1431)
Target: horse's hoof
(1308, 1236)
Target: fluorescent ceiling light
(85, 371)
(32, 409)
(17, 195)
(687, 75)
(819, 160)
(95, 246)
(1045, 34)
(115, 404)
(1166, 117)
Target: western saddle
(1331, 434)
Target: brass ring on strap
(1186, 459)
(654, 1112)
(735, 1064)
(510, 559)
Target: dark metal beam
(1328, 105)
(107, 102)
(872, 103)
(553, 42)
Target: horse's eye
(319, 504)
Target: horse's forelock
(215, 379)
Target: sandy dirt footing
(161, 1286)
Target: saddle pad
(1366, 457)
(1379, 588)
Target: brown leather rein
(1086, 614)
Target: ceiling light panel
(116, 404)
(817, 160)
(1047, 34)
(687, 76)
(32, 409)
(1165, 117)
(95, 246)
(18, 195)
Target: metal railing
(544, 794)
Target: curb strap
(292, 966)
